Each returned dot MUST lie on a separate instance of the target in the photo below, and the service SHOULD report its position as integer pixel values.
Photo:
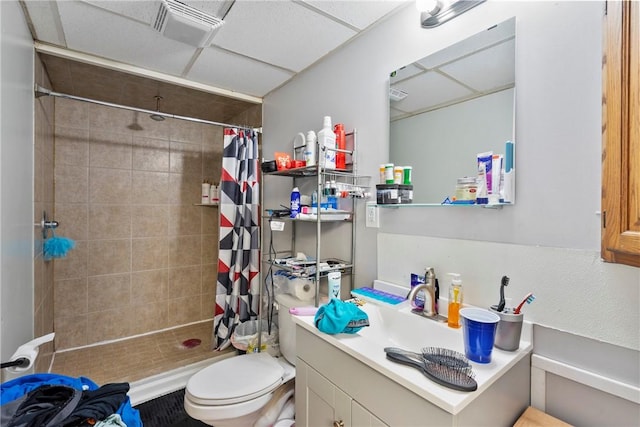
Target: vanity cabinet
(324, 404)
(621, 134)
(334, 386)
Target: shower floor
(137, 358)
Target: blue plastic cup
(479, 332)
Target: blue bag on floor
(17, 388)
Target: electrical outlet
(373, 216)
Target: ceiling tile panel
(98, 32)
(497, 64)
(280, 32)
(143, 11)
(428, 90)
(228, 71)
(361, 13)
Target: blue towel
(337, 317)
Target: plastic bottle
(341, 144)
(455, 301)
(327, 139)
(295, 202)
(310, 149)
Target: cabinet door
(360, 417)
(621, 134)
(319, 403)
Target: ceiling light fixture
(186, 24)
(437, 12)
(157, 117)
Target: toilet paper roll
(303, 289)
(29, 351)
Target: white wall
(16, 179)
(558, 140)
(442, 145)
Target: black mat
(167, 411)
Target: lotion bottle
(455, 301)
(327, 142)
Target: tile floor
(137, 358)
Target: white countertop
(367, 346)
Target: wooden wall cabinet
(621, 134)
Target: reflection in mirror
(451, 105)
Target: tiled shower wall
(43, 201)
(126, 189)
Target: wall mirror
(451, 105)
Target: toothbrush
(504, 282)
(527, 299)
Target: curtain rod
(40, 91)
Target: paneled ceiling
(261, 45)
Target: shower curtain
(239, 242)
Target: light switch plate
(373, 215)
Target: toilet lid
(236, 379)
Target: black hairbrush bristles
(440, 365)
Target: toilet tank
(286, 327)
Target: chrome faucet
(430, 309)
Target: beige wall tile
(184, 251)
(210, 220)
(72, 147)
(110, 119)
(71, 113)
(109, 221)
(109, 257)
(208, 306)
(109, 324)
(110, 150)
(184, 310)
(152, 128)
(149, 253)
(185, 131)
(209, 278)
(209, 248)
(74, 265)
(71, 331)
(185, 158)
(149, 286)
(185, 281)
(149, 220)
(150, 154)
(70, 297)
(73, 219)
(72, 184)
(109, 292)
(211, 164)
(110, 186)
(213, 136)
(150, 316)
(149, 188)
(184, 219)
(184, 190)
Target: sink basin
(397, 326)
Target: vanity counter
(367, 347)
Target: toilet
(238, 391)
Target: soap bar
(377, 295)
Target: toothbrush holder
(508, 330)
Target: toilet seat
(237, 379)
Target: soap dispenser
(455, 301)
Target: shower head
(157, 117)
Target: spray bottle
(455, 301)
(295, 203)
